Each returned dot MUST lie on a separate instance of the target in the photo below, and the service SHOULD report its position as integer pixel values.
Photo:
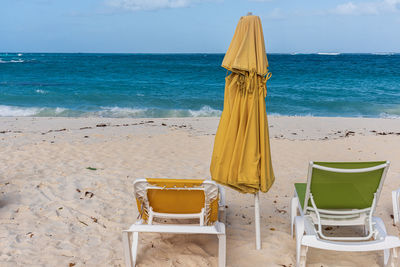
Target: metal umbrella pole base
(257, 220)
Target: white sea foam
(40, 91)
(205, 111)
(328, 53)
(383, 53)
(12, 61)
(11, 111)
(120, 112)
(276, 114)
(389, 116)
(59, 110)
(14, 111)
(391, 113)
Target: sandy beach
(66, 187)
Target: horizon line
(183, 53)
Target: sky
(197, 26)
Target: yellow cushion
(178, 201)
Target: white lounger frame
(395, 202)
(307, 235)
(130, 237)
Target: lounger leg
(395, 202)
(222, 250)
(303, 256)
(222, 214)
(381, 234)
(300, 253)
(135, 240)
(394, 258)
(386, 256)
(127, 249)
(293, 213)
(257, 220)
(222, 208)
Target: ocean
(192, 85)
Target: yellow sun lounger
(176, 199)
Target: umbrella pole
(257, 220)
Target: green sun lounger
(340, 194)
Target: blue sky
(173, 26)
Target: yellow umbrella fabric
(241, 158)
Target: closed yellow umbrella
(241, 157)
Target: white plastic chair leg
(293, 212)
(386, 256)
(394, 259)
(395, 256)
(395, 202)
(222, 250)
(135, 241)
(221, 205)
(299, 224)
(130, 250)
(303, 256)
(127, 249)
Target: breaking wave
(12, 61)
(107, 112)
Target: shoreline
(280, 127)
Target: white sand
(45, 221)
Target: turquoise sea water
(176, 85)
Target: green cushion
(333, 190)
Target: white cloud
(134, 5)
(346, 9)
(368, 8)
(275, 14)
